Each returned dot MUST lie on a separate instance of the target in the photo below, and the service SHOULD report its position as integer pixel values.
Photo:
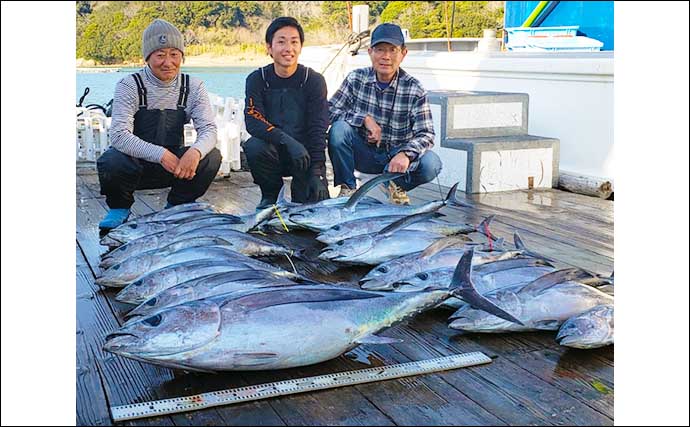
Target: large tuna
(276, 328)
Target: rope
(280, 218)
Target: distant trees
(110, 32)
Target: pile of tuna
(204, 302)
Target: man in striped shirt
(150, 109)
(381, 121)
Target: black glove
(317, 184)
(297, 152)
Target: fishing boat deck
(531, 380)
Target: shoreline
(206, 60)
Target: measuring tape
(300, 385)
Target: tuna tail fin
(453, 201)
(461, 286)
(483, 227)
(520, 245)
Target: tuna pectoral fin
(375, 339)
(462, 287)
(404, 222)
(547, 325)
(253, 359)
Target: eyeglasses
(381, 50)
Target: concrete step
(499, 163)
(470, 114)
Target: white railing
(93, 132)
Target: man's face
(165, 63)
(386, 58)
(285, 47)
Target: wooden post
(587, 185)
(349, 14)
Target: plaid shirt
(407, 126)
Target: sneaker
(114, 218)
(346, 191)
(397, 195)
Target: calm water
(223, 81)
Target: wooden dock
(531, 381)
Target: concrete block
(471, 114)
(501, 163)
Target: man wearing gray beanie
(150, 109)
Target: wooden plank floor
(532, 380)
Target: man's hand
(399, 163)
(186, 168)
(373, 130)
(298, 154)
(169, 161)
(317, 189)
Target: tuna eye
(336, 228)
(138, 283)
(382, 269)
(151, 302)
(153, 320)
(310, 210)
(423, 276)
(116, 267)
(340, 242)
(133, 226)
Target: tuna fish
(127, 271)
(591, 329)
(126, 233)
(322, 218)
(156, 281)
(442, 253)
(358, 227)
(222, 235)
(543, 304)
(275, 328)
(208, 286)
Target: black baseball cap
(387, 33)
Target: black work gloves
(298, 154)
(317, 184)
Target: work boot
(266, 201)
(346, 191)
(397, 195)
(114, 218)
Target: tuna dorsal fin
(441, 244)
(550, 280)
(364, 189)
(404, 222)
(462, 286)
(375, 339)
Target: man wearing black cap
(286, 112)
(381, 121)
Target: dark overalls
(269, 163)
(120, 175)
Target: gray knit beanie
(160, 35)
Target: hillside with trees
(109, 32)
